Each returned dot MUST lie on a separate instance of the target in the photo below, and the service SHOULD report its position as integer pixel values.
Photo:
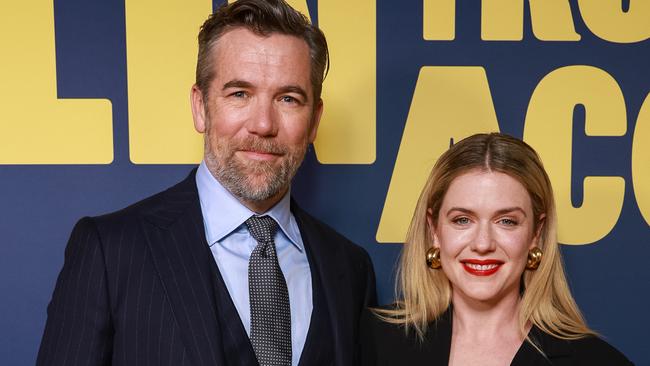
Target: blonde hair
(425, 293)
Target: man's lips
(260, 155)
(481, 267)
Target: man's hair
(262, 17)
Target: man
(223, 268)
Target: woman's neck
(484, 319)
(485, 333)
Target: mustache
(260, 145)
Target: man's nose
(263, 119)
(484, 240)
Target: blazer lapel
(327, 261)
(438, 339)
(556, 351)
(176, 238)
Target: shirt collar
(223, 213)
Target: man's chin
(257, 186)
(259, 194)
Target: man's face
(259, 114)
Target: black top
(384, 344)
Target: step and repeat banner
(94, 115)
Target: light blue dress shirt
(231, 245)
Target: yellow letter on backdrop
(503, 20)
(549, 124)
(641, 160)
(347, 132)
(161, 51)
(35, 126)
(606, 19)
(439, 20)
(448, 102)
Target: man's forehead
(273, 48)
(274, 60)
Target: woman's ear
(431, 228)
(538, 232)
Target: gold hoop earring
(534, 258)
(433, 258)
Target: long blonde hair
(425, 294)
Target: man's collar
(223, 212)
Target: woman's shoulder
(593, 350)
(589, 350)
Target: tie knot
(262, 228)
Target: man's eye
(239, 94)
(288, 99)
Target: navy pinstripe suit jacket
(138, 287)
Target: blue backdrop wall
(90, 121)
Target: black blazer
(386, 344)
(138, 287)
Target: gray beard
(257, 181)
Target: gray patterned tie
(269, 297)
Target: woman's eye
(461, 220)
(509, 222)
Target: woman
(480, 278)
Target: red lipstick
(484, 267)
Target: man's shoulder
(318, 228)
(309, 222)
(162, 207)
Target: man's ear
(318, 113)
(431, 228)
(198, 109)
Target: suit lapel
(176, 238)
(327, 260)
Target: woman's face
(484, 231)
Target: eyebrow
(499, 212)
(237, 84)
(294, 89)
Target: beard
(253, 180)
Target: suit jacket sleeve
(367, 335)
(367, 273)
(78, 329)
(371, 286)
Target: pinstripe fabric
(348, 281)
(138, 288)
(319, 346)
(236, 343)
